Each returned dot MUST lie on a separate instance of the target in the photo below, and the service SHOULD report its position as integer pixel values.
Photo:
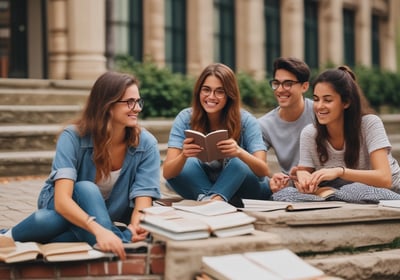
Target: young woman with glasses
(106, 169)
(242, 172)
(347, 148)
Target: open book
(272, 265)
(175, 224)
(268, 205)
(389, 203)
(11, 252)
(208, 143)
(206, 208)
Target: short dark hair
(294, 65)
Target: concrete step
(42, 96)
(33, 114)
(36, 163)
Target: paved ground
(18, 198)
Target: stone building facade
(74, 39)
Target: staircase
(32, 113)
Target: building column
(250, 51)
(363, 34)
(199, 35)
(86, 39)
(330, 33)
(57, 42)
(154, 33)
(292, 28)
(387, 40)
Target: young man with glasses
(281, 127)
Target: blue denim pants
(235, 179)
(46, 225)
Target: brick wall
(148, 265)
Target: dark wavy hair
(95, 120)
(343, 81)
(231, 111)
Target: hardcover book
(208, 143)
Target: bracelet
(343, 171)
(90, 219)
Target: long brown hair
(231, 111)
(95, 120)
(343, 81)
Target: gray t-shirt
(374, 138)
(283, 136)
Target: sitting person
(347, 148)
(242, 173)
(106, 169)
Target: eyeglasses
(286, 84)
(218, 92)
(131, 102)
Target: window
(136, 29)
(375, 41)
(311, 33)
(224, 32)
(349, 37)
(175, 35)
(124, 29)
(272, 33)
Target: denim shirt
(140, 172)
(250, 136)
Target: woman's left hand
(229, 147)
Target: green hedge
(167, 93)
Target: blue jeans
(235, 179)
(46, 225)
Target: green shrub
(167, 93)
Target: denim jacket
(140, 173)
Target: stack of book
(188, 220)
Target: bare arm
(139, 233)
(70, 210)
(176, 158)
(379, 176)
(256, 161)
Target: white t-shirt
(106, 185)
(374, 138)
(284, 136)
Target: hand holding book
(208, 143)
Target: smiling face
(328, 105)
(289, 98)
(121, 114)
(212, 87)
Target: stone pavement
(18, 198)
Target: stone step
(36, 163)
(42, 96)
(33, 114)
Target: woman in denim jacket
(106, 169)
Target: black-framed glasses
(286, 84)
(218, 92)
(131, 102)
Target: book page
(389, 203)
(263, 205)
(23, 251)
(206, 208)
(234, 267)
(285, 264)
(59, 248)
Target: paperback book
(208, 143)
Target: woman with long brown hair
(242, 172)
(106, 169)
